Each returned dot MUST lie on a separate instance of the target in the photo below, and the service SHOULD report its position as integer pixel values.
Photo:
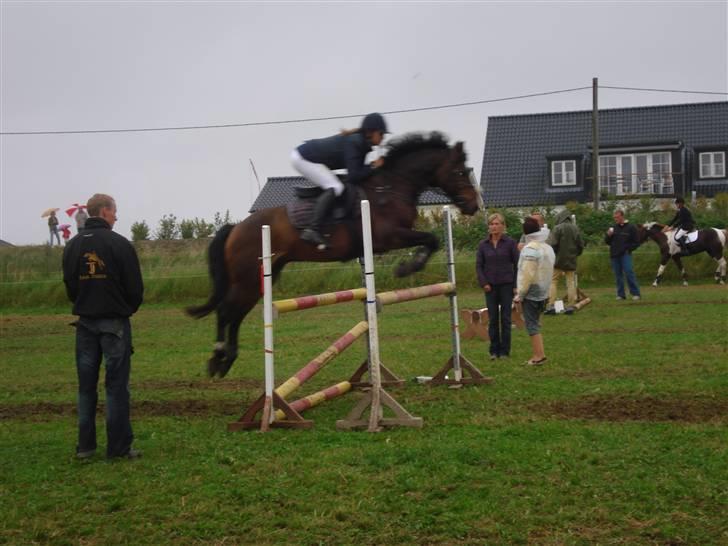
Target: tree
(220, 220)
(167, 228)
(140, 231)
(187, 229)
(202, 228)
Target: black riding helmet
(374, 122)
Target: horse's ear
(459, 151)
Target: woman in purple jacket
(496, 264)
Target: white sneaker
(636, 298)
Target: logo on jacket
(95, 266)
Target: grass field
(621, 438)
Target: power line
(348, 116)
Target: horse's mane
(412, 142)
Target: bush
(187, 229)
(203, 229)
(167, 228)
(140, 231)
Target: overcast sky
(118, 65)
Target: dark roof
(278, 191)
(5, 243)
(517, 146)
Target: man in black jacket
(103, 280)
(683, 222)
(622, 240)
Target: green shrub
(140, 231)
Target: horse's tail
(218, 273)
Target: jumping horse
(413, 163)
(712, 241)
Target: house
(659, 151)
(278, 191)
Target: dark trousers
(499, 301)
(110, 339)
(622, 266)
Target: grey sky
(86, 65)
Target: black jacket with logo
(101, 273)
(623, 240)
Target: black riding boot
(683, 242)
(323, 204)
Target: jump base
(446, 375)
(389, 379)
(248, 421)
(355, 419)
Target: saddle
(346, 206)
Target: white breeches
(680, 233)
(317, 173)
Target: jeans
(622, 265)
(499, 301)
(54, 231)
(110, 338)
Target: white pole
(268, 320)
(374, 375)
(454, 321)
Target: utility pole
(595, 141)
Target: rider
(684, 223)
(315, 159)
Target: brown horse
(711, 240)
(413, 163)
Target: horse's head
(650, 230)
(455, 178)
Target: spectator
(535, 269)
(81, 218)
(622, 240)
(53, 227)
(104, 282)
(496, 262)
(536, 215)
(568, 245)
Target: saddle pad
(692, 236)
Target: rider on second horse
(315, 159)
(684, 223)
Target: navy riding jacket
(340, 152)
(683, 219)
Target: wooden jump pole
(316, 398)
(308, 302)
(416, 293)
(376, 396)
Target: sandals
(532, 362)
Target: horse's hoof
(402, 270)
(212, 367)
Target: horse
(413, 163)
(711, 240)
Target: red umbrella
(74, 208)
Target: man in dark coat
(622, 240)
(103, 280)
(568, 245)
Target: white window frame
(563, 172)
(635, 181)
(714, 168)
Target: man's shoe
(311, 236)
(493, 357)
(86, 454)
(131, 454)
(550, 311)
(621, 298)
(569, 310)
(636, 298)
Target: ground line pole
(371, 300)
(269, 415)
(454, 320)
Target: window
(647, 173)
(712, 165)
(563, 173)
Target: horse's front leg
(660, 271)
(427, 243)
(720, 272)
(683, 273)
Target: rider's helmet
(374, 122)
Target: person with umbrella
(81, 215)
(52, 224)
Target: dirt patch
(619, 408)
(42, 411)
(201, 384)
